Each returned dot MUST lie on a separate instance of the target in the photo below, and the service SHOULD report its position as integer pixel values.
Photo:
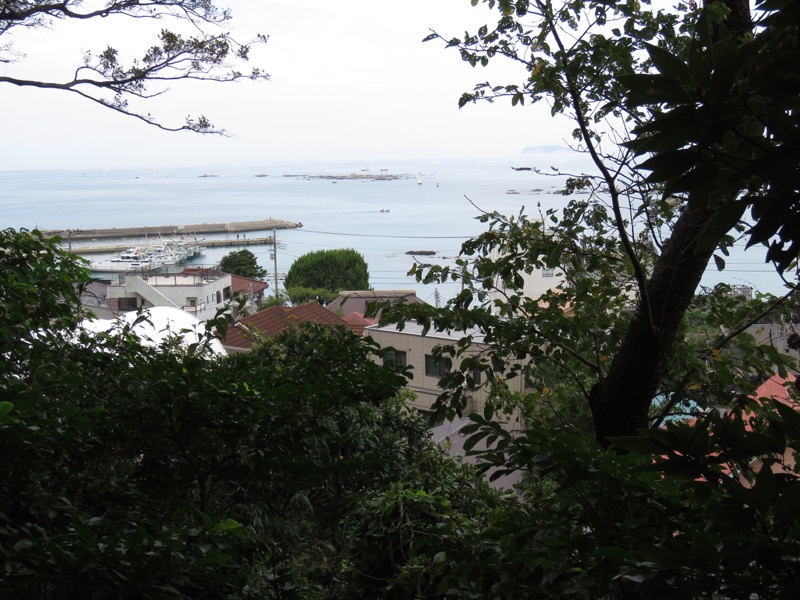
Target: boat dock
(72, 235)
(226, 243)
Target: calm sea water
(426, 208)
(382, 219)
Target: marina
(151, 255)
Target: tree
(690, 96)
(242, 263)
(686, 116)
(325, 273)
(208, 54)
(137, 472)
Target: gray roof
(414, 328)
(356, 300)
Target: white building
(534, 284)
(199, 292)
(156, 326)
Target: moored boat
(129, 260)
(150, 256)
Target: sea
(384, 210)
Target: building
(159, 324)
(251, 289)
(94, 297)
(199, 292)
(355, 301)
(409, 347)
(244, 333)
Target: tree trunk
(621, 399)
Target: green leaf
(227, 525)
(23, 544)
(669, 65)
(728, 215)
(638, 444)
(669, 164)
(764, 488)
(654, 89)
(5, 408)
(726, 66)
(787, 508)
(705, 549)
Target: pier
(72, 235)
(226, 243)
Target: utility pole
(275, 258)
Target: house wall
(426, 386)
(189, 292)
(535, 283)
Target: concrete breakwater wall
(224, 243)
(156, 230)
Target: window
(477, 376)
(126, 304)
(437, 368)
(219, 297)
(547, 272)
(398, 357)
(191, 301)
(226, 292)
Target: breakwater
(170, 230)
(111, 248)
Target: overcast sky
(350, 80)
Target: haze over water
(428, 206)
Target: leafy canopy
(688, 115)
(326, 273)
(131, 471)
(243, 263)
(678, 111)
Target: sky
(350, 80)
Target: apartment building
(411, 348)
(199, 292)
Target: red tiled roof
(275, 319)
(247, 284)
(358, 323)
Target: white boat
(151, 256)
(129, 260)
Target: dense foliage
(243, 263)
(209, 53)
(679, 112)
(322, 274)
(687, 115)
(293, 471)
(138, 472)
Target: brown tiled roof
(275, 319)
(358, 323)
(247, 284)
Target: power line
(416, 237)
